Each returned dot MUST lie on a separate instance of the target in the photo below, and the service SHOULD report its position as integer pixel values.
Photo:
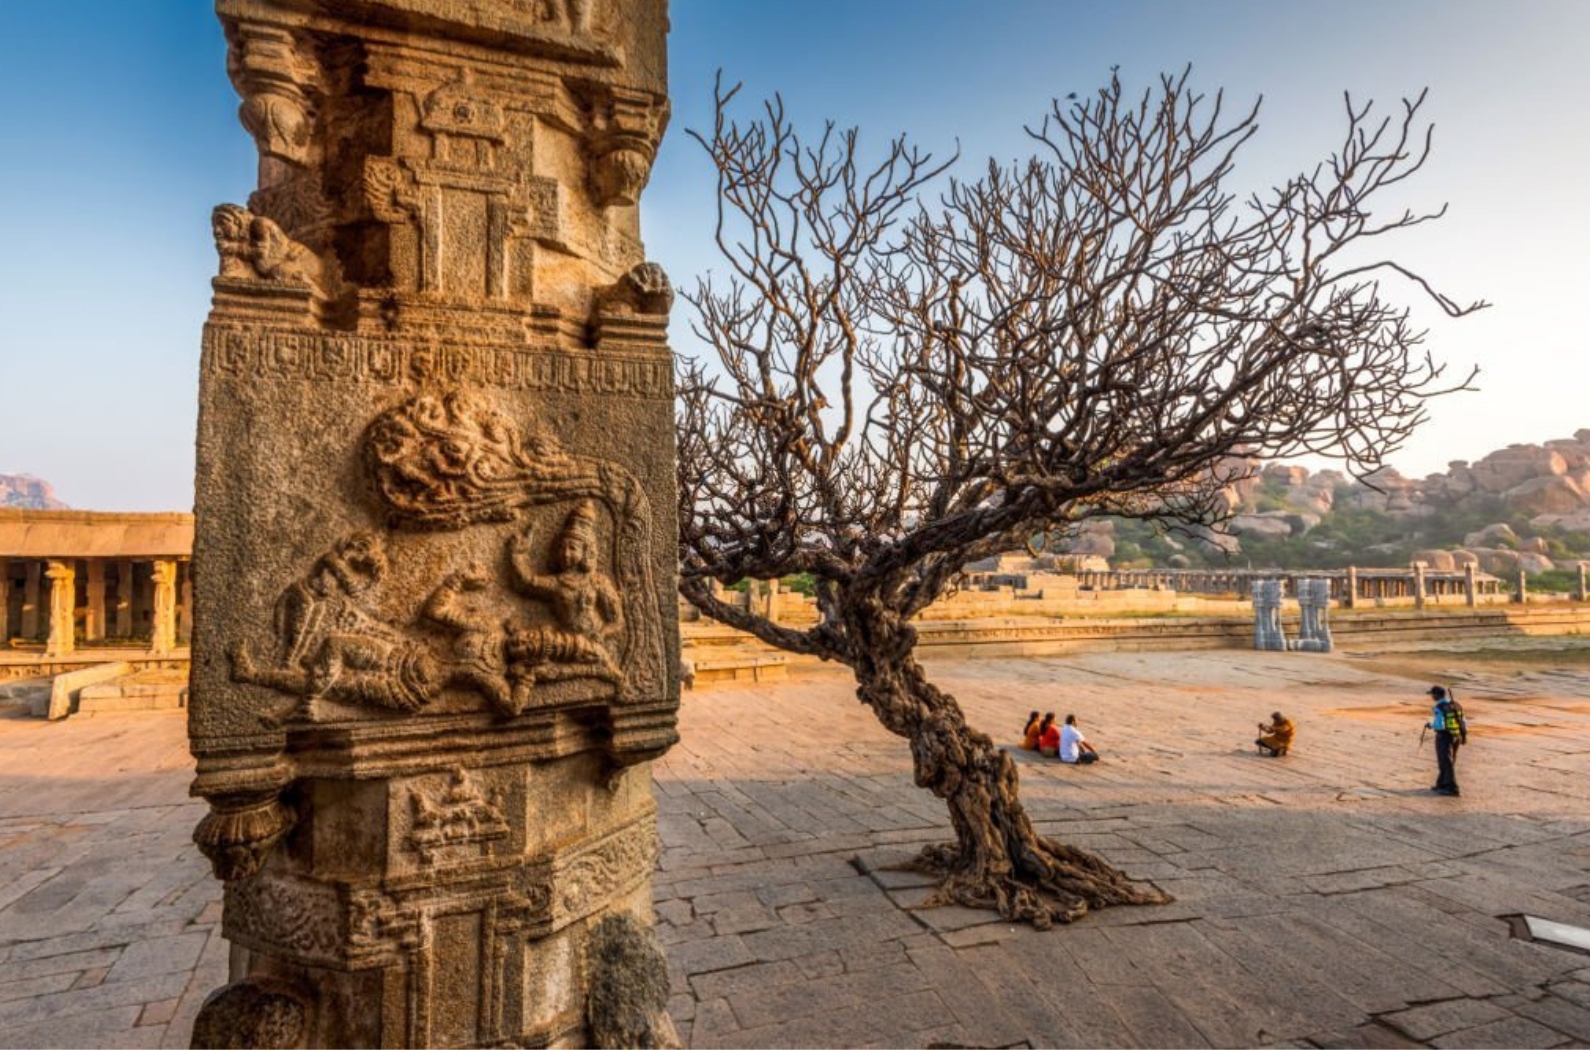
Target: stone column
(424, 700)
(163, 638)
(1581, 593)
(94, 621)
(1418, 585)
(1521, 595)
(185, 605)
(1267, 630)
(1470, 587)
(124, 599)
(33, 618)
(5, 602)
(772, 601)
(63, 602)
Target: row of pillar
(49, 609)
(1346, 586)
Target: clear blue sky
(120, 135)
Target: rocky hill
(29, 492)
(1525, 506)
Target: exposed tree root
(1052, 883)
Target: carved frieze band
(591, 878)
(298, 915)
(265, 355)
(318, 924)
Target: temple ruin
(93, 580)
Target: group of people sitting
(1067, 743)
(1064, 742)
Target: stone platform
(1322, 899)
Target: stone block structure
(436, 634)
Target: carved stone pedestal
(434, 626)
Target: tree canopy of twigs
(913, 371)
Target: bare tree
(910, 379)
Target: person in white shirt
(1074, 747)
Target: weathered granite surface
(434, 555)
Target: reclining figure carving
(333, 648)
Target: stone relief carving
(333, 647)
(583, 600)
(253, 247)
(300, 915)
(645, 289)
(452, 462)
(587, 880)
(456, 815)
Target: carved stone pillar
(434, 563)
(6, 576)
(1582, 592)
(163, 638)
(33, 618)
(1267, 630)
(1521, 595)
(63, 602)
(1418, 585)
(1470, 587)
(184, 605)
(94, 618)
(124, 599)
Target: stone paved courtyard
(1326, 898)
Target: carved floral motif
(591, 878)
(301, 916)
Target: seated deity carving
(332, 648)
(585, 607)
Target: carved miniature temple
(435, 557)
(73, 579)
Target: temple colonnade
(83, 579)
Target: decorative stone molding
(240, 831)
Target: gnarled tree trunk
(997, 859)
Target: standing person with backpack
(1451, 732)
